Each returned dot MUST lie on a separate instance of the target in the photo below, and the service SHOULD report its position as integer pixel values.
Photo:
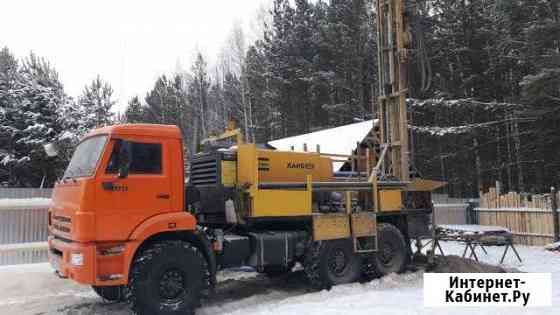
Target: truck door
(124, 203)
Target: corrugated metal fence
(451, 213)
(23, 225)
(20, 193)
(451, 210)
(23, 222)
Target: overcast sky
(129, 43)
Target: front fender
(166, 222)
(162, 223)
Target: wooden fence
(494, 199)
(529, 217)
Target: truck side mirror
(125, 157)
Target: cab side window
(145, 158)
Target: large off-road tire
(167, 278)
(392, 250)
(329, 263)
(110, 293)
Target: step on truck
(126, 221)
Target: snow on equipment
(124, 221)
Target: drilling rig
(126, 220)
(393, 44)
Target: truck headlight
(113, 250)
(77, 259)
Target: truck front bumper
(63, 257)
(83, 263)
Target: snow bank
(27, 268)
(29, 203)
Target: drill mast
(393, 41)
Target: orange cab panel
(98, 219)
(124, 203)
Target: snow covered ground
(33, 289)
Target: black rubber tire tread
(316, 264)
(311, 265)
(143, 275)
(110, 293)
(389, 232)
(369, 268)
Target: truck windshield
(85, 157)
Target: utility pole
(517, 146)
(498, 156)
(478, 165)
(508, 146)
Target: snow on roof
(339, 140)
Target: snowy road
(33, 289)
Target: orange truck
(126, 220)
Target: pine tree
(96, 103)
(198, 100)
(134, 112)
(32, 97)
(9, 76)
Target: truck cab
(123, 183)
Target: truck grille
(62, 219)
(61, 228)
(61, 223)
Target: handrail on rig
(373, 178)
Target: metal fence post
(555, 214)
(472, 215)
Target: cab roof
(153, 130)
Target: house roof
(339, 140)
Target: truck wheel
(167, 278)
(330, 263)
(110, 293)
(391, 250)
